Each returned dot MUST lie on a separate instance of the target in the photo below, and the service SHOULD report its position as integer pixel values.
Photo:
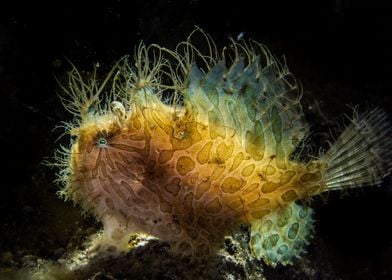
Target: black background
(339, 50)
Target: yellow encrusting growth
(188, 150)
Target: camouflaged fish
(187, 145)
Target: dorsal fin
(255, 96)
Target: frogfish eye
(102, 142)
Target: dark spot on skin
(175, 219)
(261, 176)
(244, 88)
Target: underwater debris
(187, 145)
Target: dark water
(339, 50)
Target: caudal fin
(362, 155)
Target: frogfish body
(187, 146)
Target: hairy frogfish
(188, 144)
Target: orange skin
(164, 174)
(220, 155)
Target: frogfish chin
(186, 145)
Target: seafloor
(339, 50)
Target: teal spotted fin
(282, 235)
(253, 96)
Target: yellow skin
(190, 174)
(162, 173)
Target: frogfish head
(105, 154)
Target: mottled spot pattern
(219, 156)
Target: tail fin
(362, 155)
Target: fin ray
(361, 155)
